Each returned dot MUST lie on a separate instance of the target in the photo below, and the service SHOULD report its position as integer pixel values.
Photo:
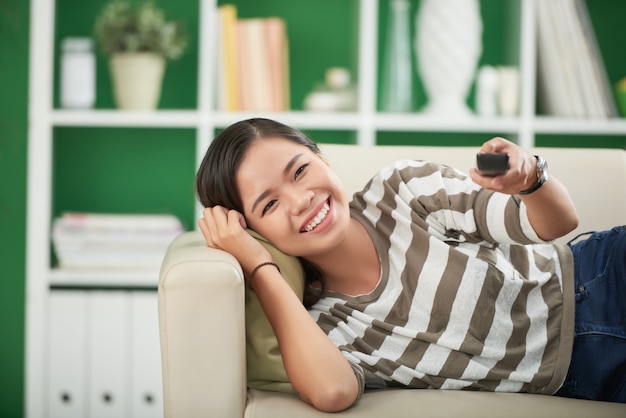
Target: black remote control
(492, 164)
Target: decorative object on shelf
(78, 73)
(508, 90)
(138, 41)
(620, 94)
(335, 94)
(397, 94)
(497, 91)
(448, 47)
(487, 91)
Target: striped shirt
(469, 296)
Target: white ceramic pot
(137, 79)
(449, 45)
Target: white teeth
(318, 218)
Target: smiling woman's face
(292, 197)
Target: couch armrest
(202, 330)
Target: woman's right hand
(225, 230)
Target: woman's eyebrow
(286, 171)
(291, 163)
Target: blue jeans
(598, 367)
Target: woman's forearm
(316, 368)
(550, 210)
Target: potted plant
(138, 41)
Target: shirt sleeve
(360, 377)
(449, 204)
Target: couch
(203, 324)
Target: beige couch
(201, 308)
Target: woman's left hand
(522, 172)
(550, 208)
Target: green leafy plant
(123, 28)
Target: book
(227, 83)
(110, 221)
(571, 74)
(277, 49)
(243, 68)
(258, 70)
(570, 63)
(111, 241)
(551, 89)
(597, 62)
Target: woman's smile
(315, 221)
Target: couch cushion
(431, 403)
(264, 362)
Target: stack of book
(88, 241)
(572, 77)
(253, 67)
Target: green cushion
(264, 362)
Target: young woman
(428, 278)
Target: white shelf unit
(365, 122)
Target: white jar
(78, 73)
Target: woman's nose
(301, 200)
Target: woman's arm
(316, 368)
(550, 209)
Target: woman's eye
(269, 206)
(300, 170)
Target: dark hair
(216, 180)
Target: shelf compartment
(117, 118)
(552, 125)
(60, 278)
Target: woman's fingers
(213, 224)
(520, 174)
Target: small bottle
(78, 73)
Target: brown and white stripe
(465, 299)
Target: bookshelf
(191, 117)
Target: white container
(78, 73)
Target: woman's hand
(550, 209)
(522, 172)
(224, 229)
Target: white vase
(137, 79)
(449, 45)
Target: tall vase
(449, 45)
(137, 79)
(397, 94)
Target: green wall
(101, 169)
(14, 16)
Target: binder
(67, 356)
(108, 345)
(146, 393)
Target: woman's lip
(313, 215)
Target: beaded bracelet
(267, 263)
